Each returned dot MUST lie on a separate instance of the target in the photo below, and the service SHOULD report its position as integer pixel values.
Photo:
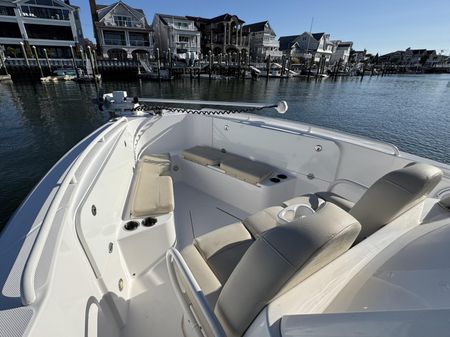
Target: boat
(206, 218)
(5, 78)
(60, 75)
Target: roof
(317, 36)
(256, 27)
(287, 42)
(223, 17)
(165, 17)
(345, 44)
(102, 10)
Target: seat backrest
(393, 194)
(279, 259)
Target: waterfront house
(263, 42)
(222, 34)
(437, 60)
(394, 58)
(53, 25)
(121, 31)
(358, 56)
(177, 33)
(415, 58)
(341, 53)
(308, 45)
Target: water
(39, 123)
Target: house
(177, 33)
(121, 31)
(413, 58)
(53, 25)
(437, 60)
(358, 56)
(308, 45)
(341, 52)
(222, 34)
(394, 58)
(263, 42)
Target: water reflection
(39, 123)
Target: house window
(182, 25)
(183, 39)
(8, 11)
(45, 13)
(122, 21)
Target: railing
(115, 42)
(139, 43)
(201, 317)
(28, 292)
(55, 63)
(126, 25)
(45, 13)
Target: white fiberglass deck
(152, 296)
(94, 278)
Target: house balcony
(186, 45)
(115, 42)
(271, 43)
(184, 28)
(125, 26)
(139, 43)
(45, 13)
(273, 53)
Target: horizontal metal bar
(205, 103)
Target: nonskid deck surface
(153, 309)
(197, 213)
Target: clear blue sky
(377, 25)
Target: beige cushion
(153, 194)
(208, 282)
(279, 259)
(393, 194)
(223, 248)
(204, 155)
(263, 220)
(245, 169)
(160, 163)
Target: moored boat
(191, 218)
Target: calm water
(39, 123)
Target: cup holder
(149, 221)
(282, 176)
(131, 225)
(275, 180)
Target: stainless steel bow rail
(281, 107)
(118, 102)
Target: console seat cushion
(245, 169)
(280, 259)
(263, 220)
(223, 248)
(208, 282)
(160, 163)
(153, 194)
(204, 155)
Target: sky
(380, 26)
